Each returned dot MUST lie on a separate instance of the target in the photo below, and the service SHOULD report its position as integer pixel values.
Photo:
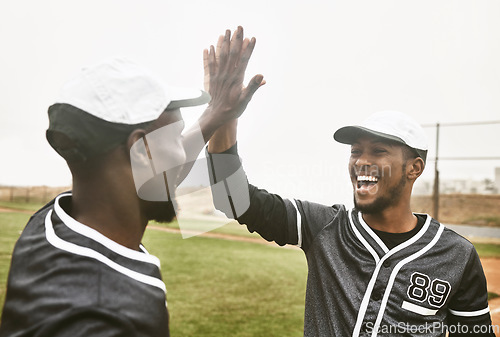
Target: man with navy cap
(377, 269)
(79, 268)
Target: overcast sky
(327, 64)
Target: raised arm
(224, 68)
(224, 75)
(274, 218)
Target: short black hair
(77, 135)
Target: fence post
(435, 194)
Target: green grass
(11, 225)
(231, 228)
(492, 295)
(21, 205)
(227, 288)
(484, 221)
(487, 249)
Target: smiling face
(379, 175)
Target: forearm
(224, 138)
(208, 128)
(263, 212)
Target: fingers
(232, 54)
(246, 41)
(209, 80)
(206, 71)
(225, 65)
(256, 82)
(224, 51)
(246, 53)
(219, 47)
(235, 48)
(205, 60)
(212, 63)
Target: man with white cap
(79, 268)
(377, 269)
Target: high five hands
(224, 68)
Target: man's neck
(392, 220)
(110, 211)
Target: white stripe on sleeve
(299, 223)
(470, 313)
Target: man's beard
(159, 211)
(383, 202)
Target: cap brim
(182, 98)
(350, 134)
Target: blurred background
(327, 64)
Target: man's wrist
(224, 138)
(209, 124)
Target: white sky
(327, 64)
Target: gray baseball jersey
(356, 285)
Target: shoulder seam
(341, 208)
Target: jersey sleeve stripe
(418, 309)
(299, 223)
(470, 313)
(59, 243)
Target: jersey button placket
(378, 292)
(376, 295)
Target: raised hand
(224, 75)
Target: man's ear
(137, 147)
(415, 168)
(134, 137)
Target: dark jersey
(356, 286)
(67, 279)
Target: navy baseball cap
(105, 102)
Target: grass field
(11, 225)
(227, 288)
(32, 206)
(216, 287)
(487, 249)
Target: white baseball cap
(392, 125)
(118, 90)
(99, 107)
